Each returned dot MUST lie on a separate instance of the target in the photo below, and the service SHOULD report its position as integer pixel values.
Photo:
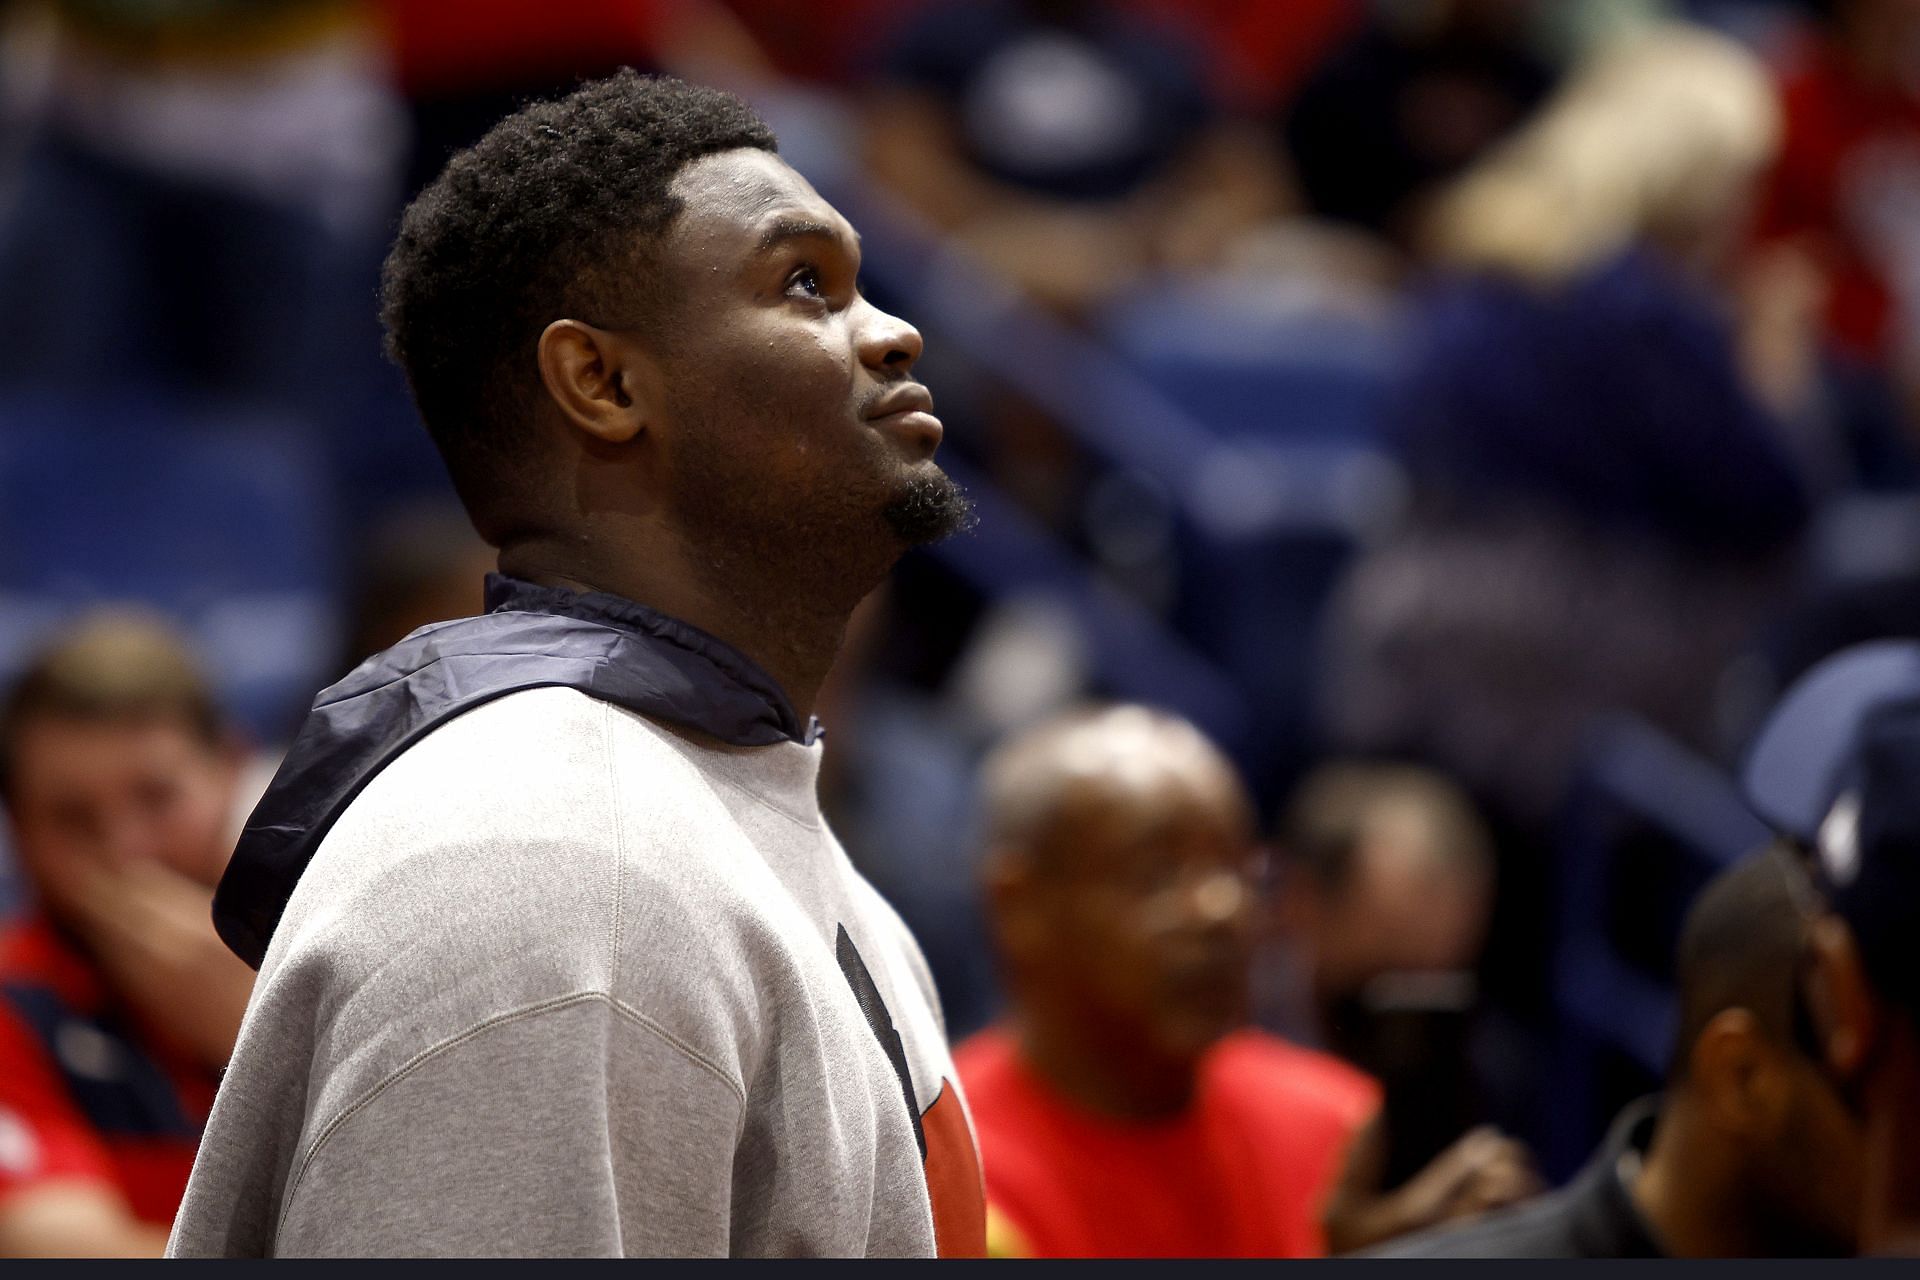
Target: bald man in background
(1122, 1108)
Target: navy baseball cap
(1837, 767)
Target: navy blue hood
(603, 645)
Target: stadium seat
(1246, 364)
(1292, 388)
(219, 518)
(1647, 824)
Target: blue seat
(1647, 824)
(1246, 365)
(219, 518)
(1294, 393)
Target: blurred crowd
(1457, 420)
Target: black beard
(929, 508)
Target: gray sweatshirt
(559, 981)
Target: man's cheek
(1131, 979)
(196, 843)
(804, 375)
(58, 864)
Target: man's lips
(908, 409)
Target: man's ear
(1839, 998)
(601, 380)
(1728, 1069)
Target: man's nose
(887, 343)
(1219, 900)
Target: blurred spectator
(1121, 1110)
(1409, 101)
(1118, 1112)
(1751, 1152)
(1847, 186)
(1388, 871)
(1836, 768)
(1608, 476)
(1072, 145)
(118, 1004)
(1382, 906)
(1610, 482)
(197, 186)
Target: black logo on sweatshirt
(868, 996)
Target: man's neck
(1122, 1085)
(1892, 1225)
(1685, 1193)
(793, 642)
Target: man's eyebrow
(785, 229)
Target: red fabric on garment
(1243, 1173)
(1849, 164)
(953, 1179)
(45, 1133)
(1260, 51)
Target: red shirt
(87, 1093)
(1846, 185)
(1244, 1173)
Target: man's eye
(805, 281)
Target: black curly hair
(553, 214)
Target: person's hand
(1483, 1170)
(151, 931)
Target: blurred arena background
(1520, 391)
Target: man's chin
(927, 507)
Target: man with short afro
(557, 955)
(555, 212)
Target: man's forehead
(749, 190)
(1098, 816)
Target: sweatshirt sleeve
(574, 1128)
